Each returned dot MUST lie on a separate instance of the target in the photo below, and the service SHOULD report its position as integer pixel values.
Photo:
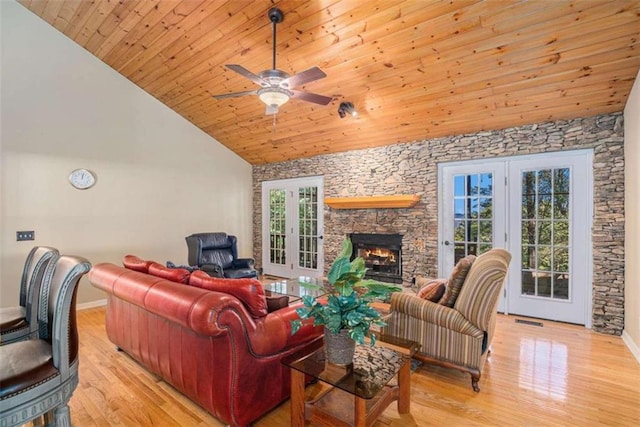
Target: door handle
(446, 243)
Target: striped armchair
(457, 337)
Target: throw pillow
(132, 262)
(419, 281)
(456, 280)
(249, 291)
(179, 275)
(433, 290)
(276, 302)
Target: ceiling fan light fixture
(274, 96)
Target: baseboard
(92, 304)
(633, 347)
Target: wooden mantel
(373, 202)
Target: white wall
(159, 177)
(631, 333)
(1, 156)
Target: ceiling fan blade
(271, 110)
(311, 97)
(303, 77)
(248, 74)
(235, 94)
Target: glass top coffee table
(367, 383)
(292, 288)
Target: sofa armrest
(431, 312)
(243, 263)
(272, 333)
(197, 309)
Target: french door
(539, 207)
(472, 212)
(292, 227)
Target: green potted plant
(344, 305)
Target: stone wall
(411, 168)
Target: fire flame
(377, 252)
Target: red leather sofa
(220, 350)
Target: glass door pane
(277, 227)
(308, 227)
(545, 233)
(473, 201)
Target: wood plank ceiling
(414, 69)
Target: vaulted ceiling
(414, 69)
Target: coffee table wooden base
(328, 408)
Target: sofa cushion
(249, 291)
(217, 248)
(433, 290)
(132, 262)
(222, 257)
(456, 280)
(179, 275)
(214, 241)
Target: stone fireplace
(382, 254)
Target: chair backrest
(212, 248)
(32, 276)
(57, 322)
(478, 298)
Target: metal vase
(339, 348)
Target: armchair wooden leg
(474, 372)
(475, 377)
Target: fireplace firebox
(382, 254)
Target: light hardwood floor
(555, 375)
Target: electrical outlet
(25, 235)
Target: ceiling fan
(277, 86)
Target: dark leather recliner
(217, 255)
